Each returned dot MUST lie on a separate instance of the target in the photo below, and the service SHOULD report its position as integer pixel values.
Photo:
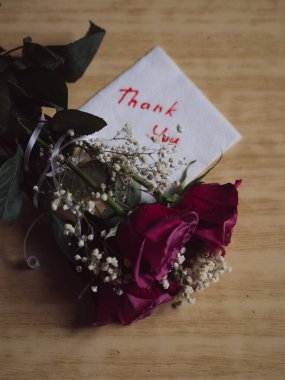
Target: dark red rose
(151, 239)
(134, 304)
(216, 206)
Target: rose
(134, 304)
(216, 206)
(150, 239)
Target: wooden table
(234, 51)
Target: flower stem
(12, 50)
(148, 185)
(119, 210)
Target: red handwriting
(130, 96)
(163, 135)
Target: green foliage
(132, 192)
(10, 196)
(82, 123)
(93, 169)
(37, 78)
(78, 55)
(112, 232)
(36, 55)
(43, 86)
(200, 178)
(184, 175)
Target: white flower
(80, 243)
(104, 197)
(103, 233)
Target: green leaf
(10, 196)
(5, 107)
(132, 193)
(82, 123)
(199, 179)
(37, 55)
(112, 232)
(184, 174)
(78, 54)
(44, 86)
(66, 244)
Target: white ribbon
(31, 143)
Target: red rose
(216, 206)
(134, 304)
(150, 239)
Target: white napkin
(154, 96)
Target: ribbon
(32, 141)
(32, 261)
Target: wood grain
(234, 51)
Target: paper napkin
(155, 96)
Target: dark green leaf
(82, 123)
(44, 86)
(10, 197)
(38, 55)
(78, 55)
(184, 174)
(133, 194)
(199, 179)
(5, 107)
(66, 244)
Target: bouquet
(136, 239)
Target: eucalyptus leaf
(82, 123)
(44, 86)
(5, 107)
(78, 54)
(10, 196)
(66, 244)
